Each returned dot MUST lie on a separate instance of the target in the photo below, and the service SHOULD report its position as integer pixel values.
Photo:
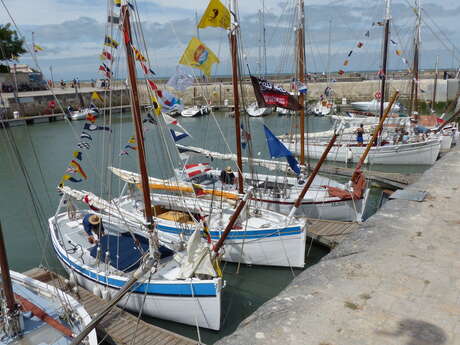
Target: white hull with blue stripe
(262, 237)
(163, 295)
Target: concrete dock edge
(394, 281)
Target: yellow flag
(197, 55)
(37, 48)
(97, 96)
(156, 105)
(216, 15)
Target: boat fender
(97, 291)
(106, 295)
(349, 155)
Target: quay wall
(394, 281)
(220, 93)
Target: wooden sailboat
(33, 312)
(415, 152)
(184, 287)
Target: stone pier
(394, 281)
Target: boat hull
(191, 302)
(423, 153)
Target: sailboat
(416, 151)
(36, 313)
(180, 285)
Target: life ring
(52, 104)
(377, 95)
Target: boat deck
(118, 327)
(329, 232)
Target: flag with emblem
(197, 55)
(216, 15)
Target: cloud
(72, 33)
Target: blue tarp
(128, 252)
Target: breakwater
(219, 93)
(396, 280)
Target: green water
(46, 150)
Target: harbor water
(29, 195)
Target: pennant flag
(156, 105)
(197, 55)
(131, 147)
(132, 140)
(360, 44)
(74, 164)
(394, 42)
(345, 63)
(150, 119)
(271, 95)
(152, 71)
(77, 155)
(70, 178)
(97, 97)
(37, 48)
(83, 145)
(367, 34)
(152, 85)
(117, 3)
(341, 72)
(92, 127)
(113, 19)
(144, 68)
(381, 74)
(349, 54)
(193, 170)
(91, 118)
(398, 52)
(110, 42)
(277, 149)
(105, 55)
(199, 191)
(178, 135)
(138, 55)
(85, 135)
(216, 15)
(404, 60)
(124, 153)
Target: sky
(72, 33)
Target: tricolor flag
(138, 55)
(74, 164)
(69, 178)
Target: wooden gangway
(118, 327)
(329, 232)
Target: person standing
(360, 135)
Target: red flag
(341, 72)
(144, 68)
(106, 55)
(152, 85)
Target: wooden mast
(6, 278)
(301, 76)
(413, 106)
(136, 112)
(386, 37)
(236, 100)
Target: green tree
(11, 46)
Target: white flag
(181, 80)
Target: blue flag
(277, 149)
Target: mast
(236, 100)
(136, 111)
(415, 65)
(435, 86)
(385, 54)
(301, 73)
(264, 39)
(259, 55)
(329, 54)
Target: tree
(11, 46)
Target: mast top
(387, 9)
